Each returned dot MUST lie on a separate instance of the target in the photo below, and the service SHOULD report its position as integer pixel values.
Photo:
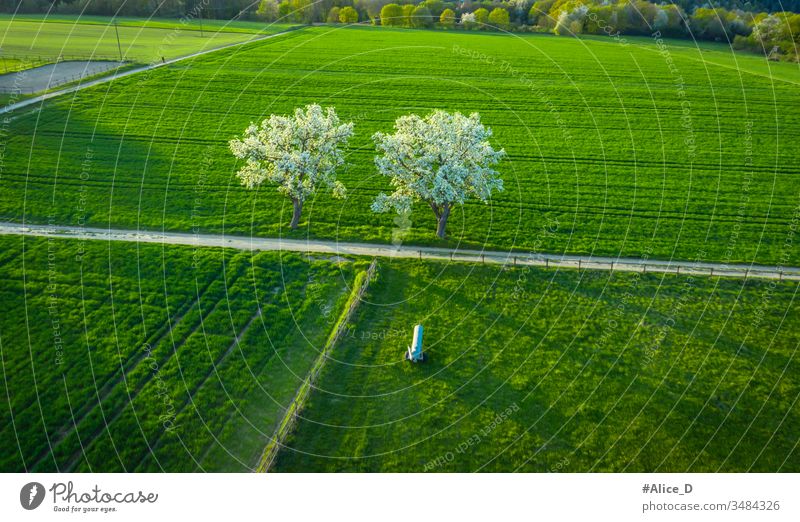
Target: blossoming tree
(297, 153)
(442, 159)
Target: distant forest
(248, 9)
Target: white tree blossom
(468, 20)
(571, 22)
(297, 153)
(767, 30)
(442, 159)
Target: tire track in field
(77, 455)
(75, 459)
(213, 370)
(127, 367)
(318, 246)
(65, 428)
(133, 360)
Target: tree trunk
(442, 216)
(298, 208)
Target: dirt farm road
(335, 248)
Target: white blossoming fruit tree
(297, 153)
(442, 159)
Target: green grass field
(631, 150)
(716, 54)
(42, 40)
(542, 370)
(187, 23)
(13, 64)
(150, 358)
(125, 357)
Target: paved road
(408, 252)
(121, 74)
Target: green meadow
(146, 357)
(39, 40)
(118, 357)
(187, 23)
(544, 370)
(634, 149)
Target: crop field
(187, 23)
(543, 370)
(118, 357)
(150, 357)
(45, 40)
(669, 152)
(716, 54)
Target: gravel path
(48, 76)
(408, 252)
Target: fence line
(640, 265)
(289, 420)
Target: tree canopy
(448, 18)
(297, 153)
(392, 15)
(499, 18)
(442, 159)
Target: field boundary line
(731, 67)
(506, 258)
(128, 72)
(289, 420)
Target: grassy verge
(545, 370)
(295, 408)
